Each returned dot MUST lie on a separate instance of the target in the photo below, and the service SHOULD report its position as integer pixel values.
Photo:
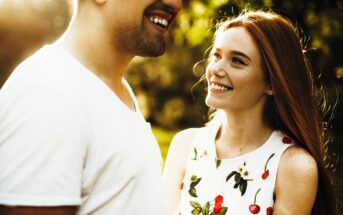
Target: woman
(263, 151)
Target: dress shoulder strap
(201, 142)
(281, 143)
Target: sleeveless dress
(242, 185)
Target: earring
(269, 92)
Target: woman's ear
(269, 91)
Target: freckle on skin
(302, 162)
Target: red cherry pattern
(217, 208)
(265, 175)
(287, 140)
(218, 201)
(254, 209)
(266, 171)
(181, 186)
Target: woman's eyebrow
(234, 52)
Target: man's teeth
(159, 21)
(218, 87)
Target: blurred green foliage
(164, 84)
(164, 138)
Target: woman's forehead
(238, 39)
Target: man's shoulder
(44, 56)
(40, 65)
(39, 79)
(49, 67)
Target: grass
(164, 138)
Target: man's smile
(161, 15)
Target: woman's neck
(241, 133)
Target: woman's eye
(237, 60)
(216, 55)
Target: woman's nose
(219, 69)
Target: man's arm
(42, 150)
(63, 210)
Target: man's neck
(96, 51)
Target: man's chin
(156, 54)
(152, 51)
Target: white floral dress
(242, 185)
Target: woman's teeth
(219, 87)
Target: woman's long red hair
(294, 108)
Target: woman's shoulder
(298, 162)
(297, 167)
(297, 178)
(184, 138)
(178, 152)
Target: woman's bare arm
(175, 167)
(296, 183)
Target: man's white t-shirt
(67, 139)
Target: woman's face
(234, 74)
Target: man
(72, 139)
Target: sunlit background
(163, 85)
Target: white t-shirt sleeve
(42, 148)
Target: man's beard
(139, 42)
